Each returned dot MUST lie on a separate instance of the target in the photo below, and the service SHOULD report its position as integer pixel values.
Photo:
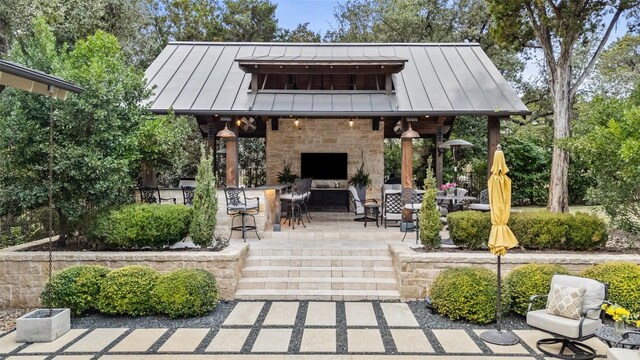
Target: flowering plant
(620, 314)
(447, 186)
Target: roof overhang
(322, 64)
(20, 77)
(341, 114)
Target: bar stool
(238, 204)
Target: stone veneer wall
(327, 135)
(416, 271)
(23, 274)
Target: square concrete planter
(38, 326)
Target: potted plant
(286, 176)
(361, 181)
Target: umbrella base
(499, 337)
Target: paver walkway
(285, 330)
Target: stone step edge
(318, 280)
(319, 257)
(316, 292)
(317, 268)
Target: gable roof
(202, 78)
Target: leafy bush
(469, 229)
(467, 294)
(138, 226)
(430, 225)
(534, 230)
(623, 279)
(128, 291)
(76, 287)
(528, 280)
(186, 292)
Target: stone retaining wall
(416, 271)
(23, 274)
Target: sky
(318, 13)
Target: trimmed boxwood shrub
(623, 279)
(76, 287)
(467, 293)
(528, 280)
(186, 292)
(534, 230)
(138, 226)
(469, 229)
(128, 291)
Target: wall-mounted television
(324, 166)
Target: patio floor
(284, 330)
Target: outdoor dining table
(279, 189)
(452, 199)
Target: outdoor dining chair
(151, 195)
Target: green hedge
(186, 292)
(128, 291)
(528, 280)
(138, 226)
(534, 230)
(624, 282)
(76, 287)
(467, 293)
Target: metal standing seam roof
(18, 76)
(202, 78)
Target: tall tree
(618, 69)
(301, 33)
(249, 20)
(560, 28)
(186, 20)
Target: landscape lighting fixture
(226, 133)
(410, 133)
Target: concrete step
(268, 271)
(254, 251)
(333, 260)
(334, 295)
(319, 283)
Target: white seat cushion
(251, 204)
(479, 207)
(593, 296)
(561, 325)
(291, 196)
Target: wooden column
(493, 133)
(406, 176)
(439, 157)
(148, 175)
(232, 157)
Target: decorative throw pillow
(565, 301)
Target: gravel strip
(298, 328)
(341, 328)
(385, 332)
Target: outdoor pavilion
(317, 97)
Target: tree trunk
(63, 227)
(558, 183)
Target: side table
(609, 336)
(371, 213)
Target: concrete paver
(8, 343)
(184, 340)
(139, 340)
(244, 313)
(364, 340)
(272, 340)
(321, 314)
(282, 313)
(55, 345)
(26, 357)
(411, 341)
(96, 340)
(73, 357)
(456, 341)
(398, 314)
(360, 314)
(318, 340)
(228, 340)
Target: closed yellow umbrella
(501, 238)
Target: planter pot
(362, 192)
(38, 326)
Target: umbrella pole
(498, 336)
(499, 301)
